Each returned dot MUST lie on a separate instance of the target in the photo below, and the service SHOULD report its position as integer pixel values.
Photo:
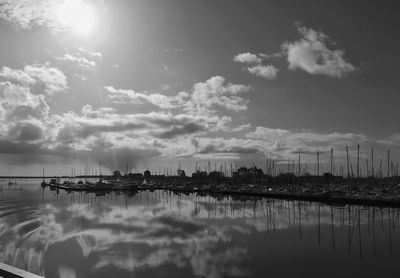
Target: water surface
(162, 234)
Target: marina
(199, 139)
(145, 233)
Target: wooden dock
(7, 271)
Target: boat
(43, 184)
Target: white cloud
(26, 118)
(23, 115)
(207, 102)
(89, 53)
(30, 13)
(81, 61)
(268, 72)
(312, 55)
(214, 94)
(43, 77)
(248, 58)
(51, 78)
(160, 100)
(16, 75)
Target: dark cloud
(210, 148)
(116, 158)
(176, 131)
(8, 147)
(74, 133)
(26, 132)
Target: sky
(145, 84)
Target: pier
(7, 271)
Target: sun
(78, 16)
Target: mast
(372, 162)
(299, 166)
(358, 161)
(347, 158)
(388, 163)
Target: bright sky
(155, 83)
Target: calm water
(161, 234)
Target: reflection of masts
(373, 229)
(332, 230)
(273, 216)
(390, 235)
(180, 206)
(254, 211)
(319, 224)
(368, 221)
(300, 220)
(349, 234)
(359, 232)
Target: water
(161, 234)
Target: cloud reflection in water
(149, 234)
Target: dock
(345, 200)
(7, 271)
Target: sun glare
(77, 15)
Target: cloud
(24, 115)
(41, 78)
(26, 132)
(18, 103)
(182, 127)
(392, 140)
(257, 69)
(95, 133)
(25, 148)
(268, 72)
(279, 54)
(312, 54)
(189, 128)
(206, 97)
(89, 53)
(105, 129)
(79, 60)
(206, 104)
(32, 13)
(17, 75)
(285, 142)
(247, 58)
(130, 96)
(214, 94)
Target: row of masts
(274, 167)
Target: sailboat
(43, 184)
